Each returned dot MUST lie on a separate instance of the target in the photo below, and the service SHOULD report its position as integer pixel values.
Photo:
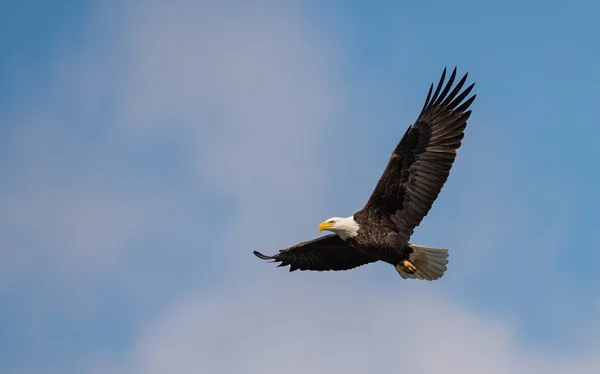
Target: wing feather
(439, 86)
(329, 252)
(420, 164)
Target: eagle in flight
(415, 174)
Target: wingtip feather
(261, 256)
(439, 87)
(446, 87)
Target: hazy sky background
(147, 147)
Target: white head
(344, 227)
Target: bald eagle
(415, 174)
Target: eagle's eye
(331, 222)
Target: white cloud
(323, 328)
(243, 91)
(248, 88)
(242, 97)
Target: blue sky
(146, 148)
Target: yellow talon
(409, 267)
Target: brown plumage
(415, 174)
(329, 252)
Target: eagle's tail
(424, 263)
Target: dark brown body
(379, 240)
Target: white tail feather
(429, 262)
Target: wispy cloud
(241, 98)
(173, 147)
(324, 328)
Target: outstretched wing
(421, 162)
(329, 252)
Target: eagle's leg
(407, 267)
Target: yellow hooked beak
(325, 226)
